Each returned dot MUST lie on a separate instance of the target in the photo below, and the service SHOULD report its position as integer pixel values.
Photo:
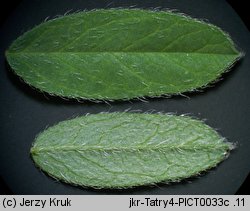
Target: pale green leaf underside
(121, 54)
(120, 150)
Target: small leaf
(121, 54)
(120, 150)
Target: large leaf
(119, 150)
(121, 54)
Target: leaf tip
(6, 53)
(231, 146)
(33, 151)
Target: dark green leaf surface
(120, 150)
(121, 54)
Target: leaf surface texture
(121, 54)
(121, 150)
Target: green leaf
(121, 54)
(120, 150)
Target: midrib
(122, 52)
(168, 147)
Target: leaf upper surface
(121, 54)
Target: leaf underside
(121, 54)
(121, 150)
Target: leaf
(121, 54)
(120, 150)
